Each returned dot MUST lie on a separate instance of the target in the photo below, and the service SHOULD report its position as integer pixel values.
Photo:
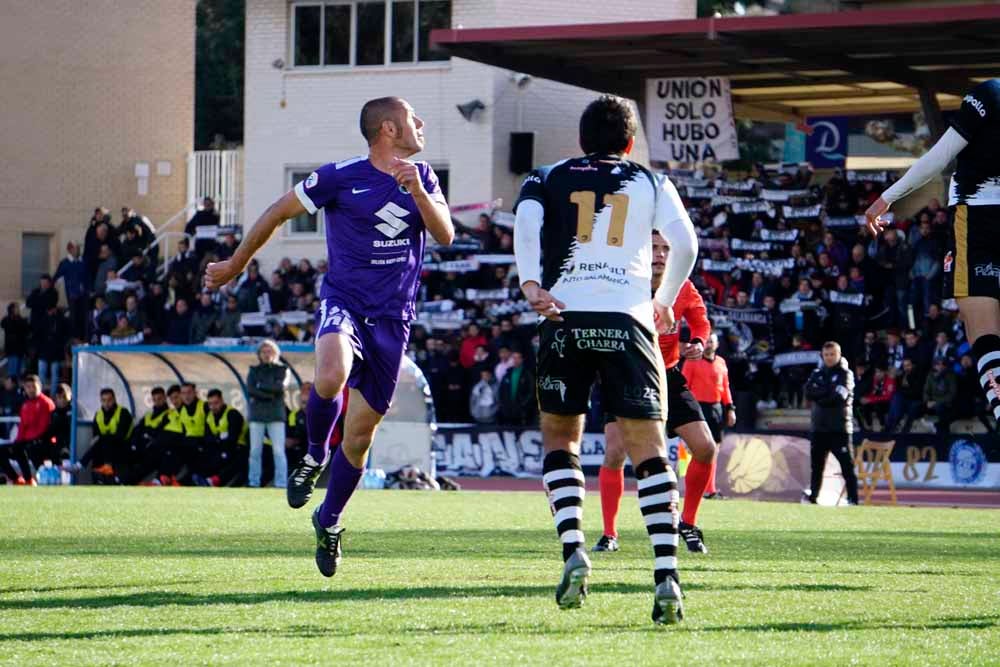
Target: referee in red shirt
(708, 379)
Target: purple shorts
(379, 346)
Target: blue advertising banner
(826, 141)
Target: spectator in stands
(138, 270)
(943, 349)
(251, 290)
(830, 388)
(16, 332)
(74, 276)
(225, 249)
(110, 449)
(872, 353)
(278, 293)
(40, 300)
(185, 262)
(875, 403)
(483, 402)
(154, 312)
(92, 244)
(124, 333)
(940, 390)
(936, 322)
(305, 273)
(203, 321)
(925, 285)
(107, 265)
(793, 378)
(895, 259)
(51, 339)
(222, 460)
(454, 393)
(32, 431)
(758, 290)
(192, 413)
(916, 349)
(836, 250)
(204, 217)
(228, 325)
(894, 350)
(518, 405)
(132, 313)
(907, 402)
(504, 362)
(266, 385)
(179, 325)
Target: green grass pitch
(219, 576)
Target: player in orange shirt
(684, 418)
(708, 378)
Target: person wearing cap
(266, 385)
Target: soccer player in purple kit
(377, 208)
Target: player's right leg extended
(564, 483)
(334, 359)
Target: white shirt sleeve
(672, 221)
(528, 240)
(927, 167)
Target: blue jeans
(276, 431)
(49, 371)
(15, 366)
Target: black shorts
(611, 346)
(682, 408)
(713, 417)
(972, 265)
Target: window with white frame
(307, 224)
(367, 32)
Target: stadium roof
(780, 67)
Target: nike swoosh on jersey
(355, 191)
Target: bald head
(378, 111)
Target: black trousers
(19, 452)
(838, 444)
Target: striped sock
(658, 499)
(986, 351)
(563, 479)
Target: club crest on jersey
(559, 344)
(312, 180)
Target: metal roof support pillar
(932, 112)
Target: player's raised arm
(927, 167)
(672, 221)
(218, 274)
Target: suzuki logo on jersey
(976, 104)
(393, 215)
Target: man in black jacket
(517, 394)
(830, 388)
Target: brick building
(310, 67)
(91, 89)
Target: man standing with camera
(830, 388)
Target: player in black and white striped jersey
(583, 244)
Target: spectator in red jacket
(33, 429)
(467, 352)
(876, 402)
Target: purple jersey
(374, 236)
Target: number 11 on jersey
(585, 201)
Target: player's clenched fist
(218, 274)
(406, 174)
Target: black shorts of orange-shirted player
(583, 245)
(971, 267)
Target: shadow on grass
(95, 587)
(503, 628)
(780, 545)
(173, 598)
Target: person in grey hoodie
(266, 386)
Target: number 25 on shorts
(585, 201)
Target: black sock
(564, 479)
(658, 500)
(986, 351)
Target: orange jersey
(708, 380)
(690, 307)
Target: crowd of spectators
(784, 265)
